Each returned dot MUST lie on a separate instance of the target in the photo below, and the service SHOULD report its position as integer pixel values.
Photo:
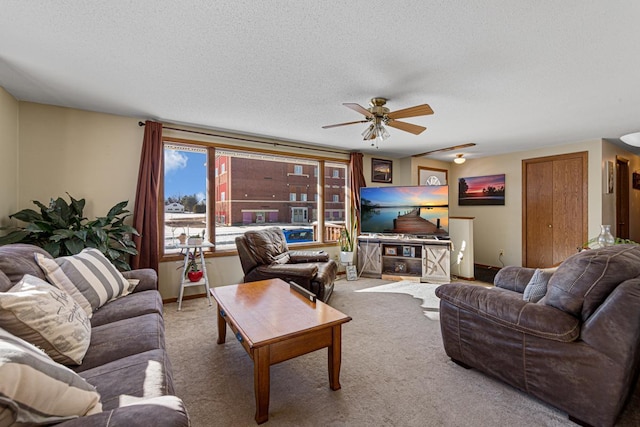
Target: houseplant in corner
(61, 229)
(192, 271)
(348, 239)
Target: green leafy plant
(61, 229)
(348, 233)
(618, 241)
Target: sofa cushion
(47, 317)
(267, 245)
(5, 283)
(89, 277)
(136, 304)
(147, 277)
(537, 286)
(123, 338)
(17, 259)
(132, 378)
(584, 280)
(36, 390)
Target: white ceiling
(506, 75)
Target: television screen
(415, 210)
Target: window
(250, 189)
(334, 192)
(185, 192)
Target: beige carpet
(394, 373)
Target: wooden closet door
(554, 208)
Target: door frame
(622, 190)
(584, 155)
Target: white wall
(9, 156)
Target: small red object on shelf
(194, 276)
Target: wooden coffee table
(275, 323)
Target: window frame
(212, 174)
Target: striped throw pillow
(89, 277)
(36, 390)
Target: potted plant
(61, 229)
(192, 271)
(348, 239)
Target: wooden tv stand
(390, 257)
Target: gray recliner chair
(264, 254)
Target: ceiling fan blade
(407, 127)
(418, 110)
(359, 108)
(344, 124)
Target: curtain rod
(237, 138)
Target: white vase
(605, 238)
(346, 257)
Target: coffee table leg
(334, 353)
(222, 327)
(261, 382)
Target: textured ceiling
(506, 75)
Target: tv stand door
(436, 263)
(369, 257)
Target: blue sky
(185, 173)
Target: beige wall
(609, 153)
(500, 227)
(9, 156)
(95, 156)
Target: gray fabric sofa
(126, 360)
(578, 348)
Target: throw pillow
(47, 317)
(537, 286)
(36, 390)
(89, 277)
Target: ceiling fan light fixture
(369, 132)
(459, 159)
(631, 139)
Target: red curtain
(356, 180)
(145, 214)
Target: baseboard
(186, 297)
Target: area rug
(422, 291)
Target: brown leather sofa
(577, 349)
(264, 254)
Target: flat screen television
(421, 210)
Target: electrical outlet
(501, 252)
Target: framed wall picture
(390, 250)
(481, 190)
(635, 183)
(381, 171)
(610, 180)
(432, 176)
(352, 273)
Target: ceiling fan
(379, 116)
